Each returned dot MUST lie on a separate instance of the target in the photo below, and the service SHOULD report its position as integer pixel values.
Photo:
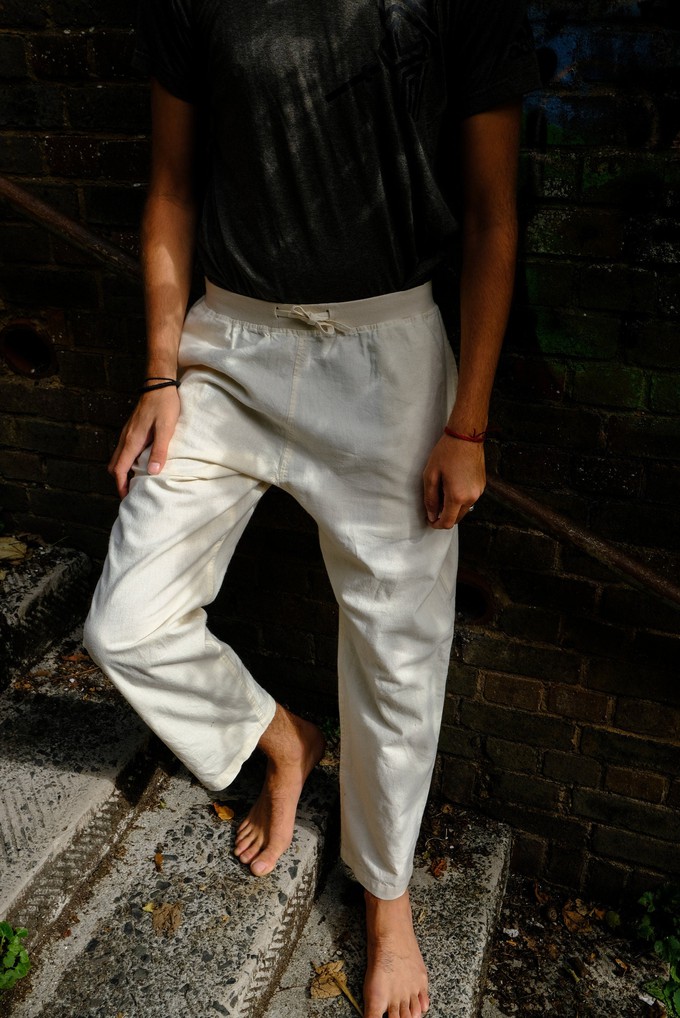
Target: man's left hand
(453, 480)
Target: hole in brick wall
(28, 349)
(475, 602)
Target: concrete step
(42, 598)
(84, 810)
(455, 918)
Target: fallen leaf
(167, 918)
(75, 657)
(223, 812)
(332, 973)
(149, 907)
(553, 951)
(11, 550)
(542, 897)
(574, 919)
(439, 866)
(225, 918)
(620, 967)
(158, 862)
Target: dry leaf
(158, 862)
(166, 918)
(223, 812)
(620, 967)
(11, 550)
(75, 657)
(574, 918)
(149, 907)
(332, 973)
(438, 867)
(542, 897)
(553, 951)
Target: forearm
(168, 242)
(487, 281)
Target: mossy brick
(627, 814)
(104, 14)
(527, 464)
(70, 155)
(652, 239)
(110, 53)
(32, 106)
(563, 830)
(74, 476)
(552, 592)
(524, 789)
(52, 287)
(18, 14)
(529, 623)
(654, 343)
(534, 729)
(126, 159)
(645, 718)
(513, 756)
(663, 484)
(550, 283)
(458, 742)
(25, 243)
(617, 288)
(565, 866)
(632, 179)
(617, 56)
(556, 427)
(571, 769)
(631, 750)
(584, 233)
(637, 524)
(59, 57)
(648, 436)
(577, 334)
(21, 154)
(635, 784)
(21, 466)
(528, 854)
(12, 57)
(569, 120)
(62, 439)
(459, 780)
(116, 108)
(665, 394)
(602, 383)
(555, 174)
(113, 205)
(575, 702)
(537, 551)
(97, 510)
(607, 476)
(512, 691)
(629, 607)
(626, 676)
(589, 636)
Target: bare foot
(293, 747)
(396, 978)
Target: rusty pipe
(66, 228)
(565, 528)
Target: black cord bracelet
(160, 385)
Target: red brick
(571, 769)
(646, 718)
(459, 779)
(636, 784)
(575, 702)
(513, 692)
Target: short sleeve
(166, 46)
(493, 58)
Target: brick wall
(563, 715)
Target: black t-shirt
(330, 153)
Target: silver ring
(471, 507)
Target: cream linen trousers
(340, 405)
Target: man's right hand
(152, 423)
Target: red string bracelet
(476, 436)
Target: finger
(159, 450)
(432, 496)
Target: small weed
(14, 962)
(660, 926)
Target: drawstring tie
(320, 320)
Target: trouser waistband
(341, 316)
